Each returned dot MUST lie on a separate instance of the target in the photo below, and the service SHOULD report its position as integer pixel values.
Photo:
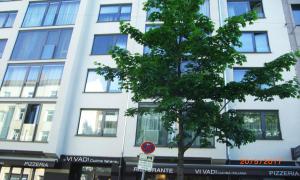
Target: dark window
(42, 44)
(97, 83)
(104, 43)
(111, 13)
(2, 46)
(150, 128)
(239, 7)
(296, 13)
(98, 122)
(32, 81)
(265, 124)
(7, 19)
(51, 13)
(254, 42)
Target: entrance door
(95, 173)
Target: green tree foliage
(184, 73)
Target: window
(239, 73)
(97, 83)
(31, 81)
(296, 13)
(98, 122)
(147, 50)
(150, 128)
(112, 13)
(7, 19)
(104, 43)
(204, 8)
(254, 42)
(21, 122)
(265, 124)
(51, 13)
(2, 46)
(239, 7)
(42, 44)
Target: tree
(184, 73)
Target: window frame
(114, 34)
(263, 123)
(254, 42)
(102, 122)
(149, 105)
(108, 83)
(28, 66)
(292, 13)
(37, 123)
(45, 14)
(249, 4)
(6, 18)
(119, 12)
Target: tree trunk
(180, 163)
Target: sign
(148, 147)
(89, 159)
(145, 162)
(28, 163)
(296, 152)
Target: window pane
(204, 8)
(2, 46)
(90, 122)
(104, 43)
(152, 10)
(50, 44)
(13, 81)
(6, 116)
(253, 122)
(95, 83)
(238, 74)
(15, 126)
(45, 123)
(35, 14)
(67, 13)
(114, 86)
(51, 13)
(247, 43)
(30, 122)
(296, 14)
(3, 17)
(261, 42)
(111, 123)
(109, 13)
(39, 174)
(238, 8)
(125, 13)
(10, 20)
(272, 124)
(258, 7)
(62, 47)
(30, 83)
(50, 81)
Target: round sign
(148, 147)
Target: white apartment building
(60, 120)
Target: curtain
(62, 47)
(204, 8)
(67, 13)
(109, 13)
(50, 17)
(261, 42)
(35, 14)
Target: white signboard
(145, 162)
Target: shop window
(2, 46)
(255, 42)
(265, 124)
(21, 122)
(296, 13)
(239, 7)
(42, 44)
(7, 19)
(97, 83)
(104, 43)
(51, 13)
(89, 173)
(98, 122)
(150, 128)
(28, 81)
(112, 13)
(18, 173)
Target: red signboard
(148, 147)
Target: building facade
(60, 120)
